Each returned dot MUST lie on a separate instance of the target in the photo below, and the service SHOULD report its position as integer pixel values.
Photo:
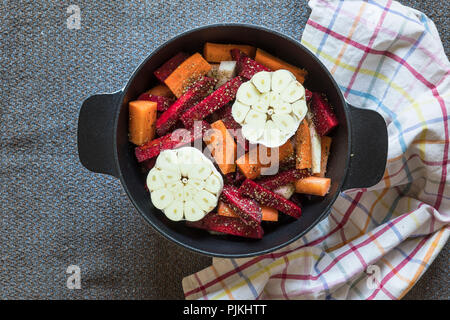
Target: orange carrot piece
(275, 63)
(268, 214)
(226, 211)
(187, 73)
(325, 144)
(303, 159)
(217, 52)
(142, 119)
(251, 167)
(313, 185)
(161, 90)
(222, 146)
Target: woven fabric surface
(55, 213)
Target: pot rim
(324, 213)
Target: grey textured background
(55, 213)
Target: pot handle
(96, 133)
(369, 145)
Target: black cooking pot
(357, 159)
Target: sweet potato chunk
(251, 165)
(217, 52)
(187, 73)
(275, 63)
(142, 118)
(222, 146)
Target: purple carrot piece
(228, 225)
(230, 123)
(247, 209)
(282, 178)
(288, 163)
(225, 115)
(196, 93)
(229, 178)
(169, 66)
(238, 178)
(308, 95)
(162, 103)
(323, 116)
(246, 67)
(212, 103)
(296, 199)
(170, 141)
(268, 198)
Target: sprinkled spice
(247, 209)
(282, 178)
(169, 66)
(212, 103)
(154, 147)
(245, 66)
(228, 225)
(324, 118)
(162, 103)
(268, 198)
(169, 118)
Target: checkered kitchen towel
(377, 242)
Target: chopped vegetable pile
(229, 139)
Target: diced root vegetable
(325, 145)
(161, 90)
(238, 178)
(247, 209)
(317, 186)
(226, 72)
(275, 63)
(234, 178)
(288, 163)
(169, 66)
(217, 52)
(187, 73)
(163, 103)
(243, 144)
(251, 164)
(315, 145)
(230, 123)
(245, 66)
(226, 211)
(303, 158)
(268, 214)
(214, 72)
(308, 95)
(323, 116)
(228, 225)
(282, 178)
(212, 103)
(285, 191)
(222, 147)
(225, 115)
(142, 118)
(196, 93)
(171, 140)
(268, 198)
(296, 199)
